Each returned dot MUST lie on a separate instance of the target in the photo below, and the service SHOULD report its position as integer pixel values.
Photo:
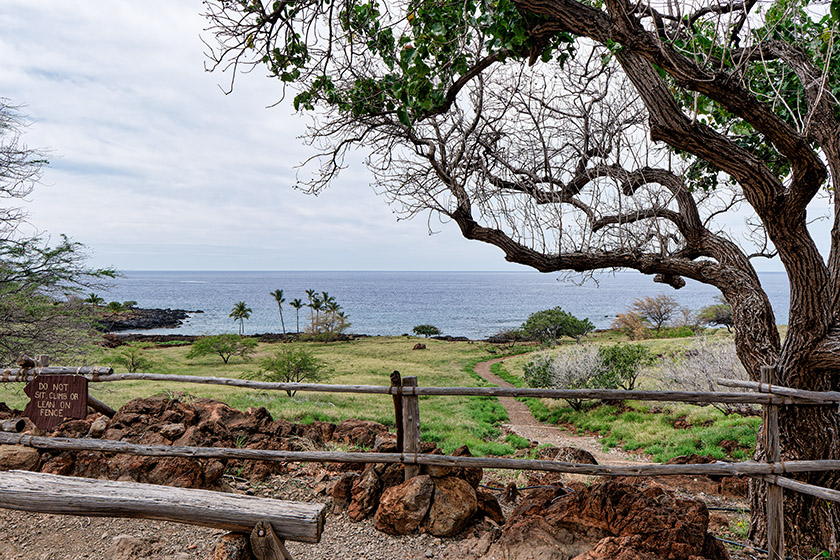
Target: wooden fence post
(396, 381)
(773, 454)
(411, 426)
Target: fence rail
(406, 395)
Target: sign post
(54, 398)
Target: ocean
(471, 304)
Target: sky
(154, 167)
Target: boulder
(419, 346)
(232, 546)
(489, 507)
(454, 504)
(615, 519)
(365, 493)
(403, 508)
(340, 490)
(18, 457)
(361, 433)
(126, 547)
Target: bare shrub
(697, 368)
(657, 310)
(631, 324)
(580, 367)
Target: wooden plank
(100, 406)
(15, 425)
(748, 468)
(773, 454)
(802, 487)
(826, 397)
(411, 426)
(64, 495)
(9, 374)
(396, 381)
(265, 545)
(596, 394)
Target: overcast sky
(152, 166)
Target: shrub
(697, 368)
(657, 310)
(537, 372)
(574, 368)
(115, 307)
(132, 359)
(291, 365)
(426, 330)
(549, 325)
(225, 345)
(632, 325)
(622, 363)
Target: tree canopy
(580, 135)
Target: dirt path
(523, 423)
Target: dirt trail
(523, 423)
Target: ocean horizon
(474, 304)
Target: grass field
(661, 430)
(448, 421)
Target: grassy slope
(449, 421)
(632, 427)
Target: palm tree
(297, 304)
(278, 295)
(316, 305)
(311, 295)
(240, 312)
(94, 300)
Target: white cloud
(153, 167)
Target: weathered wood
(823, 397)
(411, 426)
(748, 468)
(773, 454)
(42, 360)
(595, 394)
(802, 487)
(13, 374)
(15, 425)
(64, 495)
(100, 406)
(55, 398)
(265, 545)
(396, 381)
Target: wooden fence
(406, 393)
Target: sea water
(471, 304)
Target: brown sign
(54, 398)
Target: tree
(278, 297)
(717, 314)
(425, 330)
(521, 122)
(94, 299)
(291, 365)
(658, 310)
(240, 312)
(549, 325)
(225, 345)
(40, 311)
(297, 304)
(624, 363)
(133, 358)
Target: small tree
(94, 299)
(658, 310)
(631, 324)
(624, 362)
(132, 357)
(549, 325)
(291, 365)
(240, 312)
(579, 367)
(718, 314)
(225, 345)
(425, 330)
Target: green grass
(649, 429)
(448, 421)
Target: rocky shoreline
(144, 319)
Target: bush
(697, 368)
(631, 324)
(132, 359)
(622, 363)
(719, 314)
(657, 310)
(549, 325)
(291, 365)
(575, 368)
(225, 345)
(426, 330)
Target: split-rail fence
(406, 392)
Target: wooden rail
(748, 468)
(47, 493)
(800, 397)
